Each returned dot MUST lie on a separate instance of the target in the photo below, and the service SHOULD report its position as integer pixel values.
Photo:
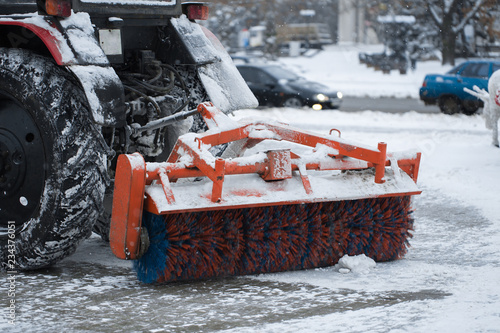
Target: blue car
(447, 91)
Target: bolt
(17, 158)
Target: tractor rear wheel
(52, 162)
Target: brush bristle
(244, 241)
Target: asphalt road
(385, 104)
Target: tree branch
(434, 14)
(460, 26)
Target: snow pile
(355, 264)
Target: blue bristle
(270, 239)
(151, 266)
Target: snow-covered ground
(454, 259)
(338, 66)
(448, 281)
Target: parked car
(276, 86)
(448, 90)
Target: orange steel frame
(133, 174)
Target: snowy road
(387, 104)
(448, 281)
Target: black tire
(449, 105)
(54, 185)
(470, 107)
(103, 224)
(293, 102)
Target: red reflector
(424, 84)
(197, 12)
(60, 8)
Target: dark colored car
(277, 86)
(448, 90)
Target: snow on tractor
(130, 97)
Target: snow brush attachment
(278, 199)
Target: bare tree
(451, 16)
